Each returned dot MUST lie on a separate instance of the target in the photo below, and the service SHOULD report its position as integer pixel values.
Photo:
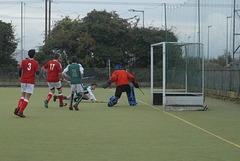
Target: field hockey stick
(103, 102)
(141, 91)
(90, 77)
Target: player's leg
(114, 99)
(28, 93)
(80, 93)
(23, 89)
(131, 96)
(75, 97)
(73, 87)
(85, 97)
(24, 105)
(60, 95)
(20, 101)
(80, 96)
(50, 94)
(55, 97)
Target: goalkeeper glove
(106, 84)
(135, 84)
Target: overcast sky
(184, 19)
(34, 12)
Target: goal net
(177, 76)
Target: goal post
(177, 76)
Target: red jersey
(29, 66)
(121, 77)
(54, 68)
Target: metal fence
(227, 80)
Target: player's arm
(44, 68)
(113, 78)
(133, 80)
(81, 69)
(62, 77)
(20, 72)
(65, 72)
(37, 71)
(91, 95)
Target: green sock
(80, 99)
(71, 99)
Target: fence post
(230, 82)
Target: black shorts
(122, 88)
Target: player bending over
(87, 89)
(121, 77)
(29, 67)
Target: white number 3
(29, 66)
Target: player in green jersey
(75, 74)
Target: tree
(8, 44)
(101, 36)
(66, 39)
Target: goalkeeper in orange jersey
(121, 77)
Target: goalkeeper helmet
(118, 67)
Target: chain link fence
(227, 80)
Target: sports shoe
(16, 111)
(46, 103)
(76, 107)
(70, 107)
(20, 114)
(112, 103)
(63, 105)
(55, 98)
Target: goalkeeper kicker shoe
(112, 101)
(46, 103)
(63, 105)
(16, 111)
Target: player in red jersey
(27, 72)
(54, 69)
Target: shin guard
(131, 97)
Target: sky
(34, 12)
(183, 18)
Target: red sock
(49, 96)
(24, 105)
(20, 102)
(60, 96)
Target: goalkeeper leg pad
(112, 101)
(131, 97)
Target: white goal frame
(177, 99)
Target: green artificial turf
(121, 133)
